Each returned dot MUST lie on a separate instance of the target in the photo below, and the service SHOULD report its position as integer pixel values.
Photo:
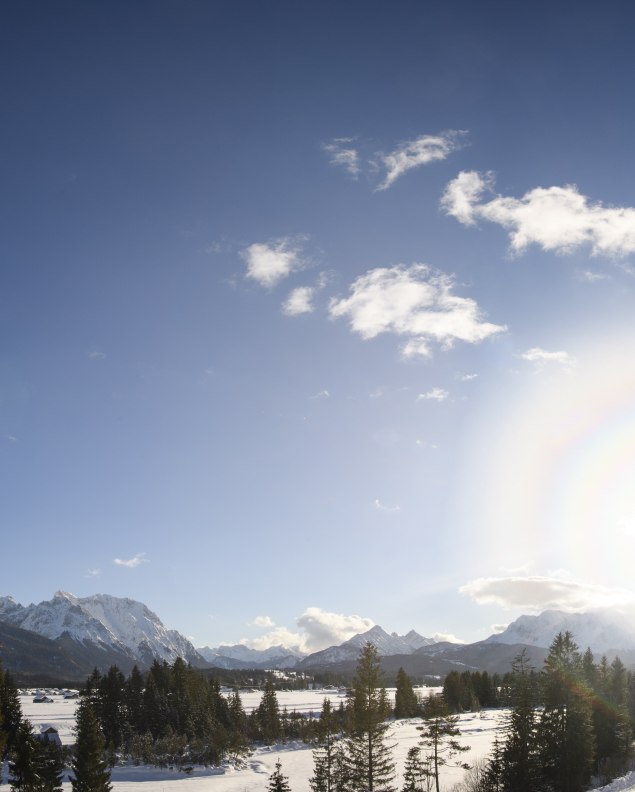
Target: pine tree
(369, 757)
(50, 760)
(565, 730)
(268, 714)
(323, 779)
(406, 701)
(519, 763)
(91, 773)
(277, 781)
(10, 709)
(415, 775)
(438, 737)
(24, 769)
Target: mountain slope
(240, 656)
(102, 624)
(603, 631)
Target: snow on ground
(477, 731)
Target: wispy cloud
(270, 262)
(415, 153)
(342, 155)
(587, 276)
(383, 508)
(447, 637)
(133, 562)
(93, 572)
(96, 355)
(323, 394)
(435, 394)
(542, 357)
(263, 621)
(466, 377)
(558, 219)
(538, 593)
(416, 303)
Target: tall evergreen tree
(371, 766)
(50, 759)
(323, 779)
(519, 762)
(10, 708)
(406, 701)
(565, 730)
(415, 775)
(24, 768)
(90, 770)
(438, 737)
(268, 715)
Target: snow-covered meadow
(477, 730)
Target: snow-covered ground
(477, 731)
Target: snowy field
(477, 730)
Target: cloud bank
(416, 303)
(558, 219)
(317, 629)
(537, 593)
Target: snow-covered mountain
(603, 631)
(123, 626)
(386, 644)
(240, 656)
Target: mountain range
(67, 636)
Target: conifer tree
(24, 768)
(415, 775)
(50, 759)
(406, 701)
(91, 773)
(565, 730)
(268, 713)
(10, 708)
(323, 779)
(277, 781)
(370, 763)
(438, 738)
(519, 763)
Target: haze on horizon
(318, 316)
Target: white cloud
(263, 621)
(268, 263)
(323, 394)
(542, 356)
(318, 629)
(587, 276)
(418, 152)
(498, 628)
(538, 593)
(382, 507)
(416, 303)
(299, 301)
(133, 562)
(343, 156)
(467, 377)
(323, 628)
(558, 219)
(447, 637)
(435, 394)
(96, 355)
(93, 572)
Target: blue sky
(314, 315)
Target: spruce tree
(50, 759)
(323, 779)
(438, 738)
(370, 763)
(277, 781)
(415, 775)
(90, 770)
(565, 730)
(519, 762)
(10, 709)
(406, 701)
(24, 768)
(268, 714)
